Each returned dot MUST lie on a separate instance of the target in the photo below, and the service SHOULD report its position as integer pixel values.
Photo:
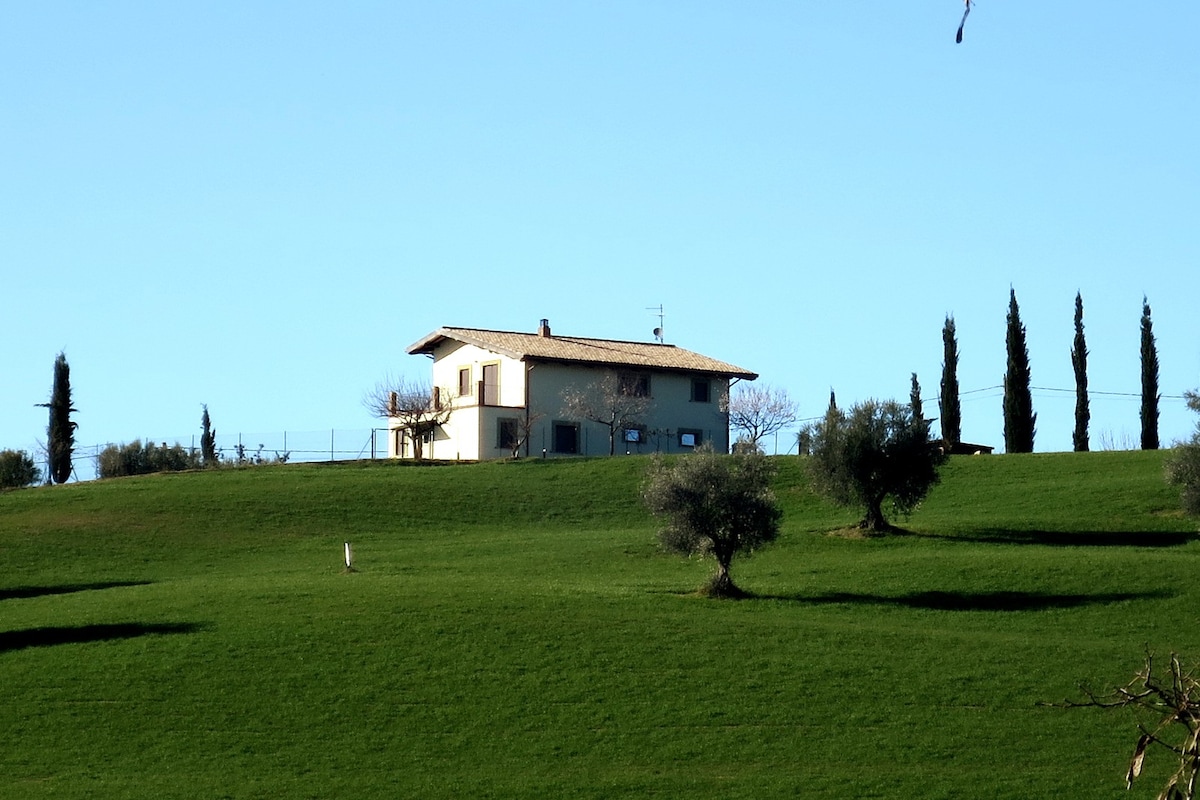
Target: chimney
(544, 328)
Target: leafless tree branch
(416, 407)
(608, 401)
(758, 411)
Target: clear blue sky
(258, 206)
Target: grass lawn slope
(513, 631)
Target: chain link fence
(256, 448)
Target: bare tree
(417, 409)
(514, 437)
(1168, 711)
(615, 401)
(758, 412)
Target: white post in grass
(349, 559)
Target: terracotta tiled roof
(534, 346)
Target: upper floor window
(701, 390)
(464, 381)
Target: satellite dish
(658, 334)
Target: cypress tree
(914, 401)
(208, 440)
(1079, 354)
(1019, 419)
(1150, 395)
(948, 404)
(60, 433)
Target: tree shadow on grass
(83, 634)
(974, 601)
(23, 592)
(1069, 538)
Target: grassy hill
(513, 631)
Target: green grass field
(513, 631)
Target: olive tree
(718, 505)
(875, 451)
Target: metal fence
(260, 448)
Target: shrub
(17, 469)
(1183, 468)
(116, 461)
(242, 457)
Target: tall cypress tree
(208, 440)
(914, 401)
(1079, 354)
(1019, 419)
(1150, 395)
(948, 403)
(60, 433)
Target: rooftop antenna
(658, 332)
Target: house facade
(506, 392)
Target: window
(634, 384)
(464, 381)
(507, 436)
(633, 435)
(689, 437)
(566, 437)
(701, 392)
(491, 384)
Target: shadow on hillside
(21, 592)
(82, 634)
(974, 601)
(1071, 538)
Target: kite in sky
(966, 11)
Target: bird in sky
(966, 11)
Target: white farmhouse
(506, 391)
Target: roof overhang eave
(723, 373)
(428, 344)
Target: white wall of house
(458, 378)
